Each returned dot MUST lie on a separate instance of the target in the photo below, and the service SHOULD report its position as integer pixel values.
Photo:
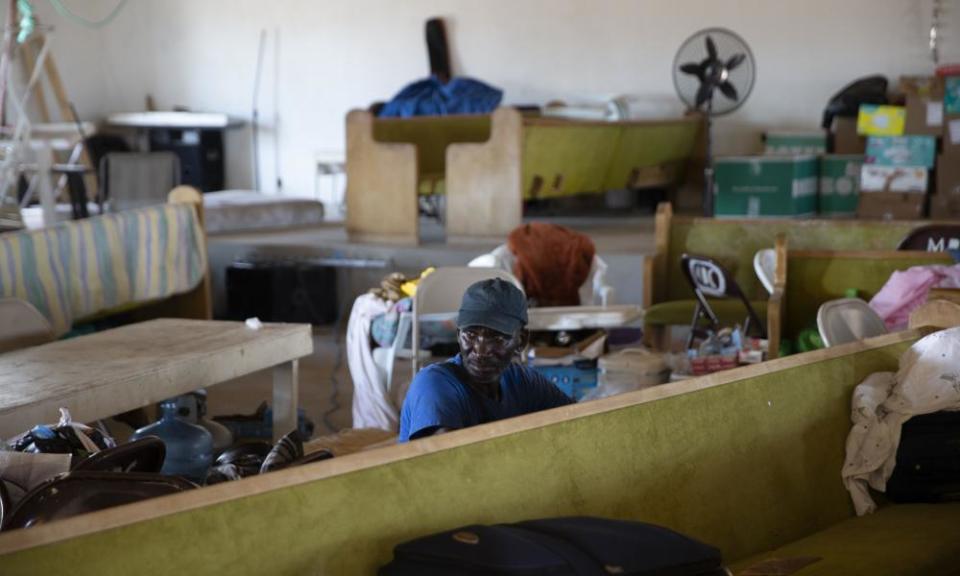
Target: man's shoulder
(436, 379)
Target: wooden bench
(748, 460)
(668, 299)
(817, 276)
(486, 166)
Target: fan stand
(708, 164)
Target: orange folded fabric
(552, 262)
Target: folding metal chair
(708, 278)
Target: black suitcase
(928, 460)
(578, 546)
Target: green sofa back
(814, 277)
(568, 157)
(574, 157)
(432, 135)
(734, 242)
(646, 144)
(747, 459)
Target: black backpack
(928, 460)
(578, 546)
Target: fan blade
(735, 60)
(729, 91)
(711, 48)
(703, 94)
(693, 70)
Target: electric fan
(712, 61)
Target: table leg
(285, 390)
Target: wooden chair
(22, 325)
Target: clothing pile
(928, 381)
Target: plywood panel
(381, 185)
(484, 195)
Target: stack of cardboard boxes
(795, 177)
(945, 203)
(895, 177)
(884, 162)
(903, 165)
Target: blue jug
(189, 447)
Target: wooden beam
(655, 272)
(29, 61)
(776, 305)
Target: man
(482, 383)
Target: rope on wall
(69, 15)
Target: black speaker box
(200, 153)
(282, 292)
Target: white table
(566, 317)
(110, 372)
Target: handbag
(581, 546)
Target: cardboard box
(876, 120)
(945, 207)
(948, 176)
(924, 105)
(794, 143)
(845, 137)
(951, 95)
(766, 186)
(902, 150)
(891, 206)
(951, 136)
(839, 190)
(908, 179)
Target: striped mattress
(80, 269)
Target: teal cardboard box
(839, 184)
(902, 150)
(951, 95)
(766, 186)
(794, 143)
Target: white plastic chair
(765, 265)
(385, 357)
(593, 292)
(848, 320)
(440, 293)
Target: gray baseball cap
(495, 304)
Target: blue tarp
(431, 98)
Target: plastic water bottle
(189, 447)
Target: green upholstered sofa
(748, 460)
(487, 165)
(668, 299)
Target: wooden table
(109, 372)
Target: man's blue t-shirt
(438, 399)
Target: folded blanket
(552, 262)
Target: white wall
(336, 55)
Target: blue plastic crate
(575, 380)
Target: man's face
(487, 353)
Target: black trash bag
(846, 103)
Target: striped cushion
(78, 269)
